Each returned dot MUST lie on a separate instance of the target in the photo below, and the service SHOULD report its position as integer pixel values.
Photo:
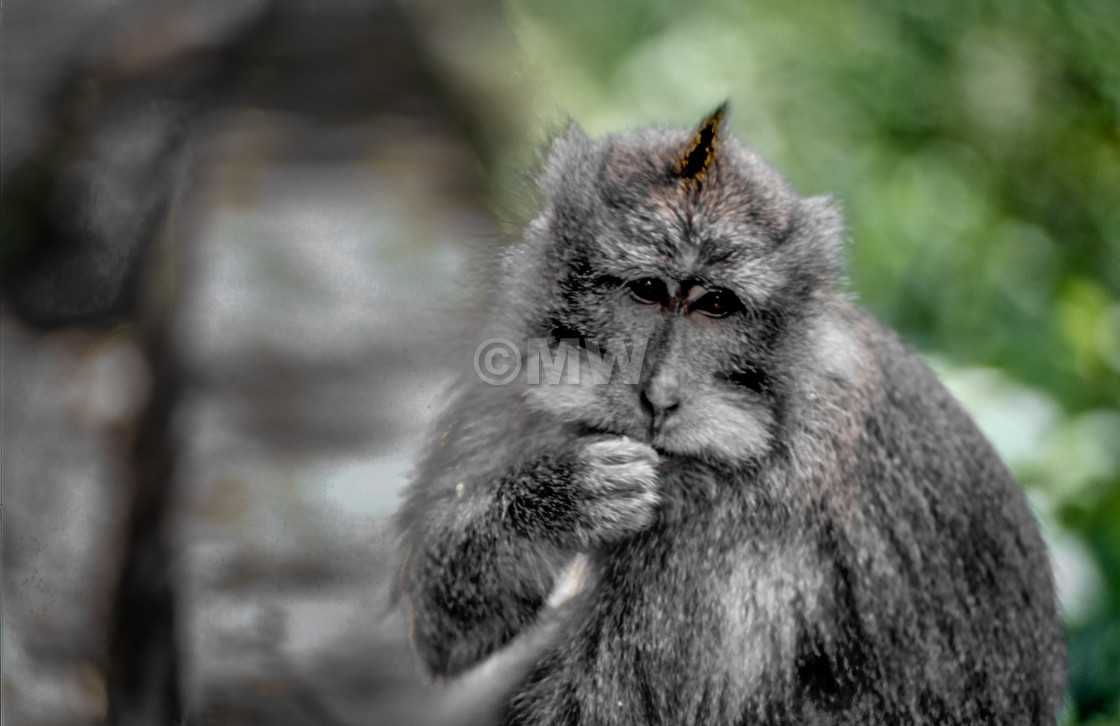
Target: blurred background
(239, 252)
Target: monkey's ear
(819, 235)
(700, 151)
(565, 155)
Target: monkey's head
(685, 252)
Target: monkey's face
(692, 286)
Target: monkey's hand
(615, 489)
(598, 491)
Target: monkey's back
(946, 563)
(882, 567)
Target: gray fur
(802, 525)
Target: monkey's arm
(499, 507)
(473, 573)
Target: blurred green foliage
(975, 146)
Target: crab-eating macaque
(771, 510)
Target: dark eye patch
(718, 303)
(751, 378)
(649, 291)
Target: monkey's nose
(660, 396)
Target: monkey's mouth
(646, 437)
(608, 431)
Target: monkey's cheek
(731, 432)
(572, 402)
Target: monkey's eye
(649, 290)
(717, 303)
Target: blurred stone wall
(319, 225)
